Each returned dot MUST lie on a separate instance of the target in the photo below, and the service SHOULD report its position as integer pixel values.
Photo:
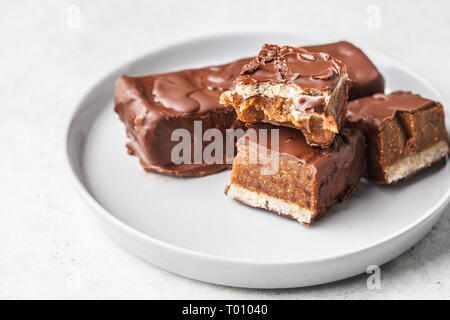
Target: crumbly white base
(272, 90)
(405, 167)
(262, 200)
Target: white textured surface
(50, 243)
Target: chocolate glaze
(309, 70)
(372, 111)
(310, 103)
(338, 168)
(365, 77)
(153, 106)
(190, 91)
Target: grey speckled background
(50, 243)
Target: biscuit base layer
(408, 166)
(264, 201)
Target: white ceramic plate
(189, 227)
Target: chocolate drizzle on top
(310, 70)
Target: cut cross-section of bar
(405, 133)
(292, 87)
(291, 178)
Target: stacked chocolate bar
(318, 162)
(305, 148)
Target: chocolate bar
(152, 107)
(292, 87)
(405, 133)
(366, 79)
(306, 182)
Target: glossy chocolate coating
(366, 79)
(292, 143)
(372, 111)
(153, 106)
(190, 91)
(309, 70)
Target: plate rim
(107, 217)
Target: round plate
(188, 226)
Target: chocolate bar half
(290, 86)
(288, 177)
(153, 107)
(405, 133)
(366, 79)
